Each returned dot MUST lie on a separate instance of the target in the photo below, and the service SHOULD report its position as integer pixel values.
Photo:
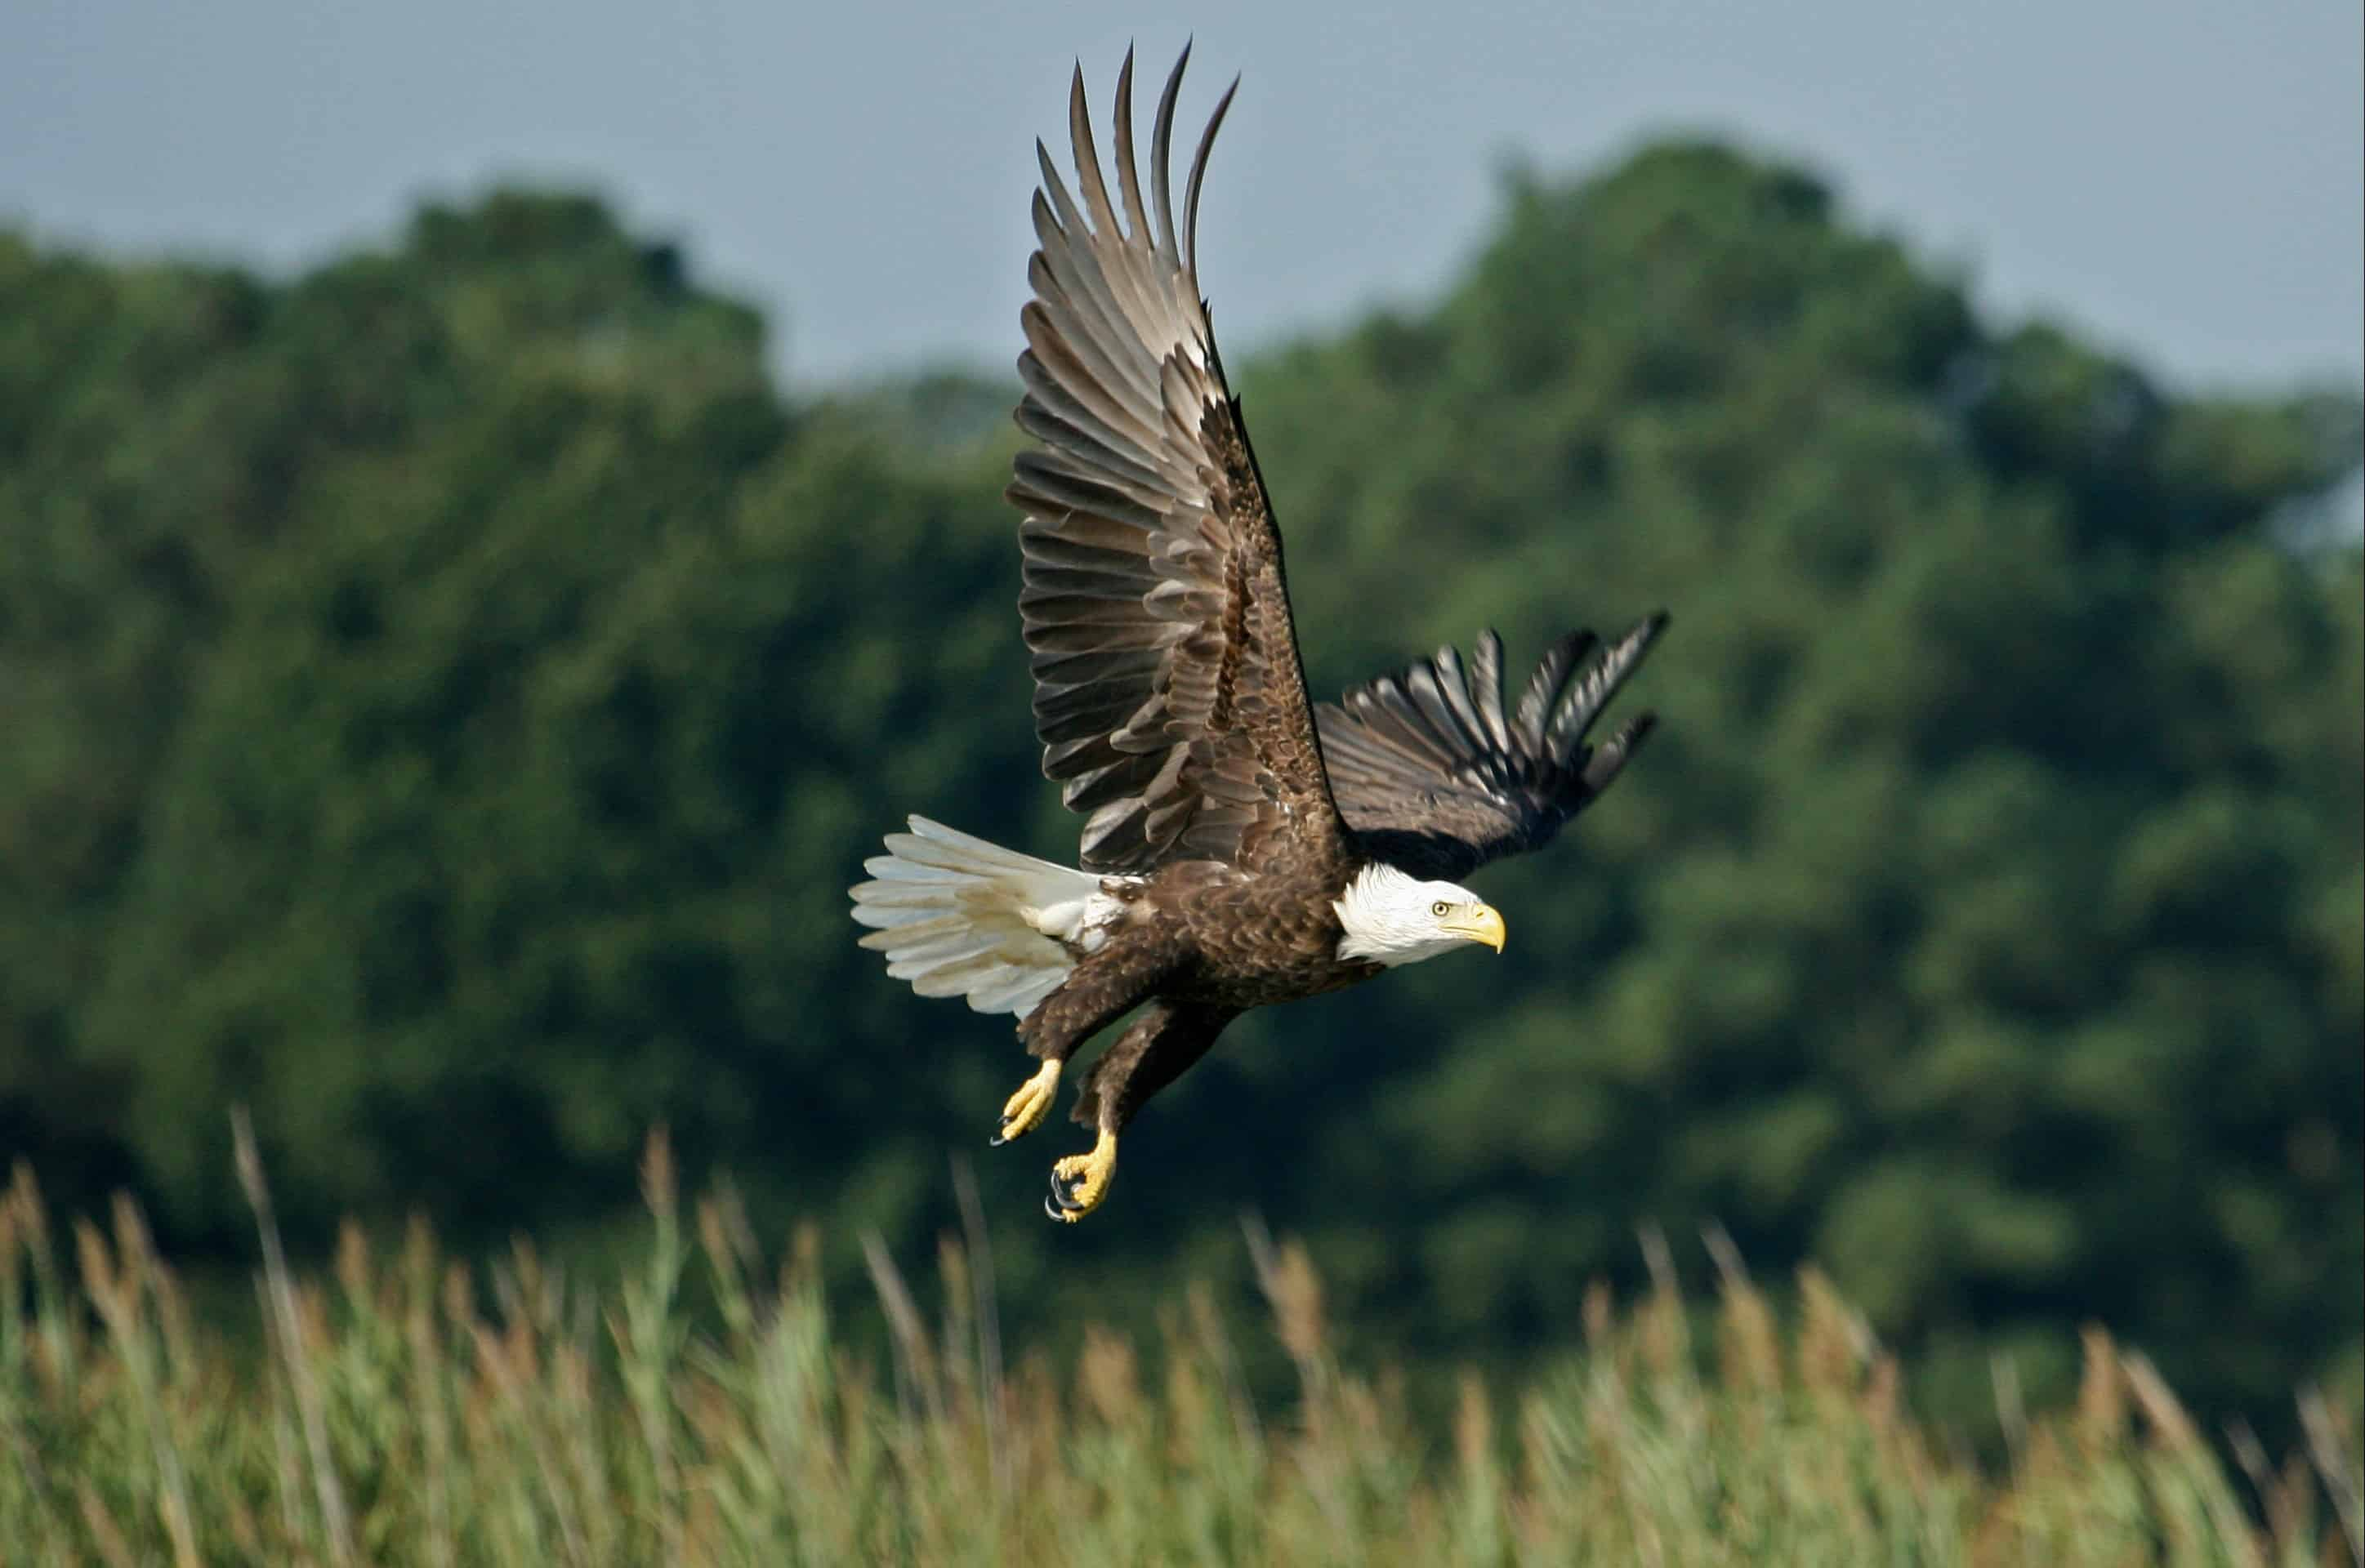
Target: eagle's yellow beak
(1480, 923)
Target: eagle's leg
(1096, 993)
(1079, 1182)
(1024, 1110)
(1160, 1044)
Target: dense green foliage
(412, 1411)
(446, 695)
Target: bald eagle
(1241, 846)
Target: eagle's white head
(1393, 918)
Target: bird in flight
(1241, 845)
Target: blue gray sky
(2182, 179)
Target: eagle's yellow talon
(1080, 1182)
(1024, 1110)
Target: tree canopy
(447, 694)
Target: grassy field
(410, 1410)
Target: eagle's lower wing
(1431, 775)
(1169, 696)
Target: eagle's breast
(1260, 938)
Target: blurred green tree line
(446, 694)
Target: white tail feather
(958, 916)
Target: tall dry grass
(400, 1413)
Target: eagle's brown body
(1208, 942)
(1225, 816)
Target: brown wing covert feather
(1432, 777)
(1169, 695)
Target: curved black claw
(1026, 1106)
(1080, 1182)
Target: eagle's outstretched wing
(1167, 692)
(1433, 777)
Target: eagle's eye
(1439, 908)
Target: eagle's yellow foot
(1024, 1110)
(1080, 1182)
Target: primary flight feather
(1240, 846)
